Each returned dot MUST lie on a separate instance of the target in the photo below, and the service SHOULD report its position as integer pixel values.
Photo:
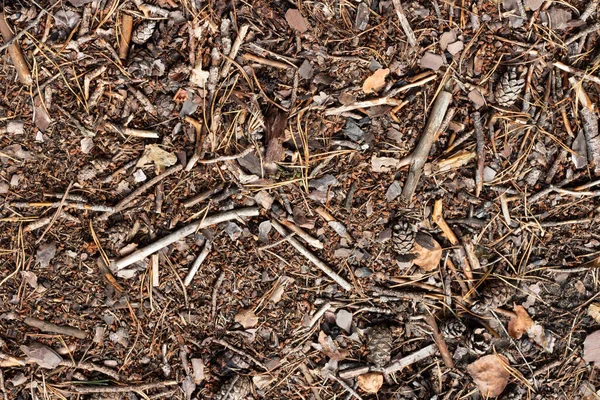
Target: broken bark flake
(41, 118)
(42, 355)
(592, 137)
(295, 20)
(275, 124)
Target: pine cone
(236, 388)
(509, 88)
(494, 295)
(452, 328)
(143, 32)
(479, 341)
(403, 237)
(379, 344)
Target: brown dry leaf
(428, 258)
(296, 20)
(490, 374)
(246, 318)
(41, 118)
(330, 348)
(591, 348)
(154, 154)
(520, 324)
(375, 82)
(370, 382)
(594, 311)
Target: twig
(234, 349)
(585, 32)
(410, 35)
(2, 387)
(49, 327)
(227, 158)
(91, 367)
(266, 61)
(439, 341)
(577, 72)
(311, 257)
(15, 52)
(199, 128)
(121, 170)
(197, 263)
(315, 318)
(411, 359)
(476, 116)
(184, 232)
(215, 293)
(592, 136)
(56, 213)
(337, 226)
(309, 379)
(589, 10)
(57, 204)
(314, 242)
(381, 101)
(203, 196)
(421, 152)
(235, 47)
(121, 205)
(122, 389)
(345, 386)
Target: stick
(421, 152)
(14, 50)
(215, 293)
(439, 341)
(56, 204)
(411, 359)
(122, 389)
(197, 263)
(184, 232)
(381, 101)
(589, 10)
(49, 327)
(121, 205)
(577, 72)
(476, 116)
(585, 32)
(266, 61)
(314, 242)
(346, 387)
(592, 137)
(311, 257)
(203, 196)
(235, 47)
(227, 158)
(412, 40)
(198, 127)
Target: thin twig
(346, 387)
(410, 35)
(476, 116)
(439, 341)
(49, 327)
(227, 158)
(215, 293)
(197, 263)
(123, 389)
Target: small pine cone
(494, 295)
(403, 237)
(452, 328)
(479, 341)
(143, 32)
(379, 344)
(509, 88)
(236, 388)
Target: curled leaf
(520, 324)
(375, 82)
(594, 311)
(246, 318)
(330, 348)
(490, 374)
(428, 257)
(370, 382)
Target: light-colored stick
(410, 35)
(155, 271)
(197, 263)
(15, 52)
(49, 327)
(577, 72)
(123, 389)
(421, 152)
(311, 257)
(182, 233)
(234, 49)
(266, 61)
(381, 101)
(314, 242)
(411, 359)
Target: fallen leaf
(42, 355)
(154, 154)
(279, 290)
(446, 38)
(330, 348)
(198, 370)
(490, 374)
(295, 20)
(456, 47)
(41, 118)
(591, 348)
(431, 61)
(381, 164)
(246, 318)
(520, 324)
(263, 380)
(370, 382)
(343, 319)
(45, 253)
(375, 82)
(428, 257)
(594, 311)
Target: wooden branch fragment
(583, 33)
(203, 196)
(592, 137)
(421, 152)
(184, 232)
(417, 356)
(439, 341)
(88, 366)
(235, 47)
(410, 35)
(381, 101)
(311, 257)
(577, 72)
(589, 10)
(313, 242)
(15, 52)
(215, 293)
(122, 389)
(346, 387)
(228, 158)
(476, 116)
(197, 263)
(56, 204)
(37, 224)
(266, 61)
(49, 327)
(121, 205)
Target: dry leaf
(296, 20)
(594, 311)
(490, 374)
(591, 348)
(428, 258)
(370, 382)
(330, 348)
(246, 318)
(383, 164)
(375, 82)
(154, 154)
(42, 355)
(520, 324)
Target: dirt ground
(359, 199)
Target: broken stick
(410, 35)
(126, 28)
(182, 233)
(311, 257)
(197, 263)
(15, 52)
(421, 152)
(49, 327)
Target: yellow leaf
(375, 82)
(520, 324)
(370, 382)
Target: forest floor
(299, 200)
